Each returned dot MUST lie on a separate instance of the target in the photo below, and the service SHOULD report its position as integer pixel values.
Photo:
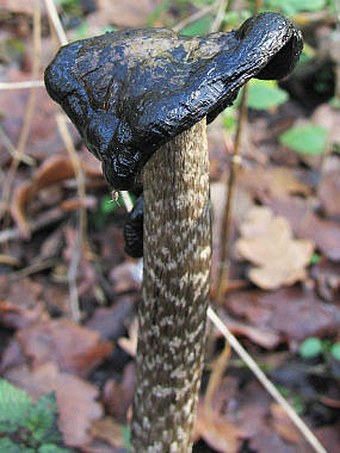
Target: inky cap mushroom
(132, 91)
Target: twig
(221, 9)
(193, 18)
(81, 237)
(5, 86)
(267, 384)
(222, 279)
(20, 149)
(28, 160)
(57, 25)
(127, 200)
(48, 218)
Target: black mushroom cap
(132, 91)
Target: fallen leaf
(262, 336)
(284, 426)
(268, 440)
(118, 396)
(108, 430)
(130, 344)
(218, 432)
(292, 313)
(328, 117)
(267, 242)
(73, 348)
(54, 170)
(20, 303)
(276, 181)
(329, 194)
(127, 276)
(327, 278)
(305, 223)
(109, 322)
(76, 398)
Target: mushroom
(141, 100)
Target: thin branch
(221, 9)
(222, 280)
(27, 121)
(193, 18)
(126, 200)
(267, 384)
(81, 237)
(28, 160)
(5, 86)
(57, 25)
(47, 219)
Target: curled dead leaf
(54, 170)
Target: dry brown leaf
(20, 303)
(267, 242)
(305, 223)
(109, 322)
(277, 181)
(219, 433)
(293, 313)
(283, 425)
(108, 430)
(130, 344)
(118, 396)
(328, 117)
(54, 170)
(73, 348)
(329, 194)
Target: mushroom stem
(172, 314)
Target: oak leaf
(267, 242)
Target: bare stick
(267, 384)
(53, 14)
(5, 86)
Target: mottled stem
(172, 315)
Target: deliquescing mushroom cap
(130, 92)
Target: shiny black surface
(130, 92)
(133, 230)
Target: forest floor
(68, 291)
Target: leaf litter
(91, 366)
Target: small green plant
(308, 139)
(265, 94)
(313, 347)
(291, 7)
(310, 348)
(26, 426)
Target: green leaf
(335, 350)
(265, 94)
(42, 420)
(15, 405)
(310, 348)
(108, 206)
(315, 258)
(8, 446)
(307, 139)
(292, 7)
(52, 448)
(200, 27)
